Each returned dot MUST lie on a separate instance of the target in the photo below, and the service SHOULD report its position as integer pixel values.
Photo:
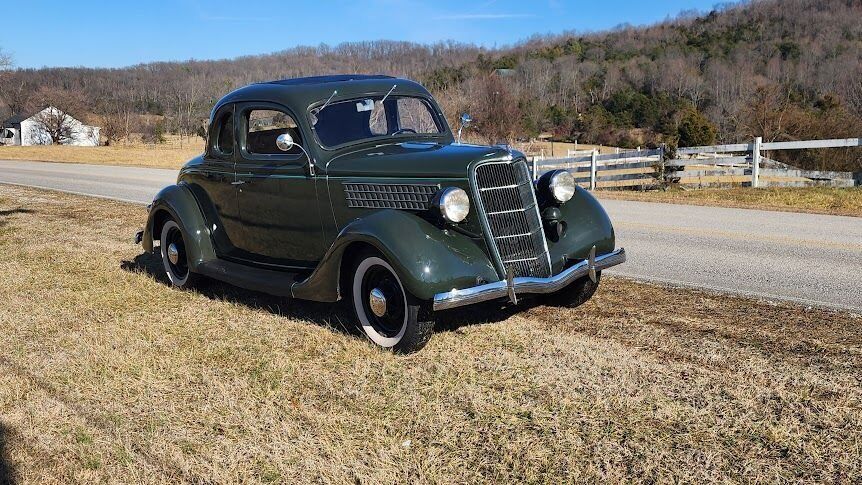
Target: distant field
(818, 200)
(168, 155)
(172, 155)
(109, 375)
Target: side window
(222, 144)
(264, 126)
(414, 114)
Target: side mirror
(284, 142)
(466, 119)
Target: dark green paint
(276, 213)
(428, 259)
(178, 202)
(587, 224)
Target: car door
(277, 195)
(212, 180)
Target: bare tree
(770, 113)
(498, 114)
(854, 93)
(5, 60)
(116, 115)
(55, 119)
(5, 65)
(57, 125)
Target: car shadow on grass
(5, 213)
(338, 317)
(7, 469)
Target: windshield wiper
(387, 94)
(318, 110)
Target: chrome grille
(510, 214)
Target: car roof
(299, 93)
(327, 79)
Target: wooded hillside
(789, 69)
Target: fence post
(593, 160)
(535, 169)
(755, 162)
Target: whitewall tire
(174, 257)
(386, 313)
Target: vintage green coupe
(354, 187)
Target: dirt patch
(107, 374)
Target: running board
(277, 283)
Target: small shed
(27, 129)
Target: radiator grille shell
(510, 216)
(390, 196)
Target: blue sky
(119, 33)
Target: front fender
(587, 224)
(178, 203)
(428, 259)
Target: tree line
(783, 70)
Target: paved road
(807, 258)
(132, 184)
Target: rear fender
(178, 203)
(428, 259)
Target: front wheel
(388, 315)
(576, 294)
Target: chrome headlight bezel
(562, 186)
(453, 203)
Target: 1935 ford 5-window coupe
(353, 187)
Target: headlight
(562, 185)
(454, 204)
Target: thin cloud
(484, 16)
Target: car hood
(412, 159)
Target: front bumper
(522, 285)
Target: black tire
(403, 324)
(174, 257)
(576, 294)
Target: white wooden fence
(723, 155)
(633, 168)
(742, 164)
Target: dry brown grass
(109, 375)
(817, 200)
(168, 155)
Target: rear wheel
(387, 313)
(174, 256)
(576, 294)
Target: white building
(27, 130)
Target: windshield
(374, 117)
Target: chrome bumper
(515, 286)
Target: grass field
(171, 154)
(109, 375)
(818, 200)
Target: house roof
(19, 117)
(16, 119)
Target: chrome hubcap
(173, 254)
(377, 302)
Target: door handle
(238, 182)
